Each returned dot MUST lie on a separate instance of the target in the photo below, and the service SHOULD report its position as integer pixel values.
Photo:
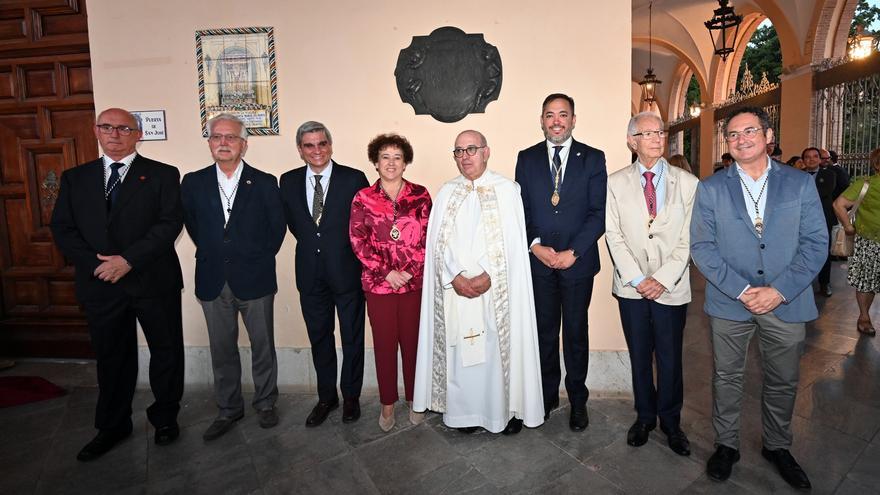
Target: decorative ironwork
(448, 74)
(846, 119)
(748, 89)
(684, 117)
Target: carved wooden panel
(47, 117)
(38, 81)
(7, 83)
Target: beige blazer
(658, 248)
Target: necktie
(318, 201)
(112, 186)
(557, 175)
(650, 194)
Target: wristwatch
(574, 253)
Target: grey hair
(312, 126)
(242, 133)
(633, 126)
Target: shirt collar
(657, 169)
(125, 161)
(324, 173)
(235, 175)
(742, 172)
(565, 144)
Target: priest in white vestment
(477, 360)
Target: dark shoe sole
(229, 426)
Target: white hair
(242, 133)
(633, 127)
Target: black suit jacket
(241, 253)
(142, 226)
(826, 186)
(328, 245)
(579, 220)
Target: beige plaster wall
(336, 64)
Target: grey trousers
(781, 345)
(221, 314)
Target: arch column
(707, 141)
(795, 110)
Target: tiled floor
(836, 438)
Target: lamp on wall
(726, 22)
(695, 109)
(861, 45)
(649, 82)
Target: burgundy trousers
(394, 319)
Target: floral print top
(372, 223)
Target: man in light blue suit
(759, 238)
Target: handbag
(842, 244)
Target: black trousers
(113, 328)
(824, 276)
(654, 332)
(563, 301)
(318, 306)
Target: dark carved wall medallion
(448, 74)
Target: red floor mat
(18, 390)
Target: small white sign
(152, 124)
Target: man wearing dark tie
(233, 214)
(317, 203)
(563, 184)
(116, 220)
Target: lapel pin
(143, 177)
(248, 182)
(578, 153)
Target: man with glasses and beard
(562, 185)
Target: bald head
(470, 165)
(118, 132)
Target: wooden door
(47, 113)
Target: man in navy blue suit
(317, 203)
(233, 214)
(563, 190)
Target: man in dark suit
(826, 185)
(317, 203)
(563, 183)
(233, 214)
(116, 219)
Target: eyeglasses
(123, 130)
(650, 134)
(748, 133)
(216, 138)
(471, 151)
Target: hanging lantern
(861, 45)
(726, 23)
(649, 82)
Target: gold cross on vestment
(472, 335)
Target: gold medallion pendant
(759, 226)
(395, 232)
(554, 199)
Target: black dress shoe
(638, 434)
(351, 410)
(678, 441)
(579, 419)
(268, 417)
(721, 463)
(320, 411)
(788, 468)
(550, 405)
(166, 434)
(101, 444)
(513, 427)
(467, 430)
(220, 427)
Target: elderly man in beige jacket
(647, 230)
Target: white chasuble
(477, 360)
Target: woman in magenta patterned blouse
(389, 222)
